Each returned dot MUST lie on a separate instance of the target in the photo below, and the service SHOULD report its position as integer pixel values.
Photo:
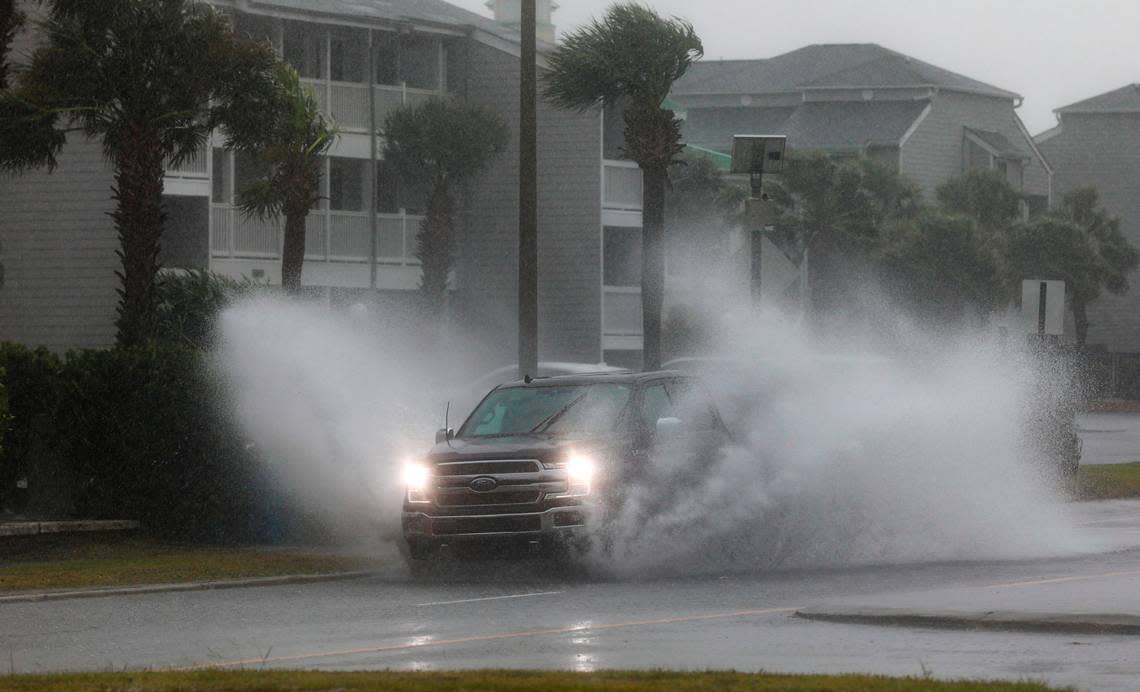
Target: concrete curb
(36, 528)
(1003, 620)
(191, 586)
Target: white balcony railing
(198, 166)
(621, 311)
(347, 102)
(622, 186)
(330, 236)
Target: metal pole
(528, 195)
(373, 228)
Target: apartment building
(362, 58)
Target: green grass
(69, 562)
(1108, 481)
(611, 681)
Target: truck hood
(542, 447)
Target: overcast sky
(1052, 52)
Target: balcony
(330, 236)
(347, 102)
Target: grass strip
(34, 564)
(504, 680)
(1108, 481)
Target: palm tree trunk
(1080, 319)
(139, 218)
(293, 250)
(434, 250)
(653, 265)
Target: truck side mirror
(670, 429)
(444, 434)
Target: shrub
(148, 438)
(138, 433)
(32, 380)
(4, 418)
(189, 303)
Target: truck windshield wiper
(553, 418)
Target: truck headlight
(579, 475)
(417, 479)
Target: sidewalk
(1096, 602)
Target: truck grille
(487, 468)
(454, 526)
(468, 499)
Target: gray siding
(569, 196)
(933, 153)
(59, 253)
(1104, 151)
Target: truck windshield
(555, 410)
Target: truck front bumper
(557, 522)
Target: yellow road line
(487, 637)
(1058, 580)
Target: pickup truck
(540, 464)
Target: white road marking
(489, 598)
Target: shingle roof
(998, 143)
(854, 65)
(836, 125)
(714, 129)
(1125, 99)
(831, 125)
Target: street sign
(1043, 307)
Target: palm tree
(1079, 243)
(139, 75)
(11, 20)
(630, 58)
(282, 128)
(441, 143)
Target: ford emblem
(483, 484)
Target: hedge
(141, 434)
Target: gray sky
(1052, 52)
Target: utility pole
(373, 229)
(528, 196)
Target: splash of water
(844, 456)
(836, 461)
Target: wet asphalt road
(524, 616)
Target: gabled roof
(825, 66)
(1126, 99)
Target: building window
(394, 193)
(413, 60)
(621, 257)
(255, 27)
(347, 184)
(419, 62)
(222, 192)
(386, 49)
(348, 56)
(303, 47)
(247, 171)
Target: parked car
(542, 462)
